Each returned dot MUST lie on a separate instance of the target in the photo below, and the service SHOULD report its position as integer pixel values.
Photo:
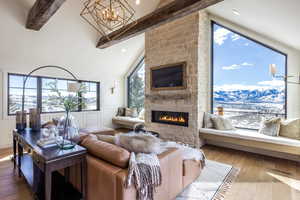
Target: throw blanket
(144, 172)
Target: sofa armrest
(171, 167)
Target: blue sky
(243, 63)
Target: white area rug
(214, 181)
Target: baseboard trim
(254, 150)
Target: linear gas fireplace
(173, 118)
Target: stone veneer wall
(186, 39)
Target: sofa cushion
(252, 135)
(105, 151)
(290, 129)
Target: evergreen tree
(137, 92)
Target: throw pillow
(142, 114)
(121, 111)
(290, 129)
(270, 127)
(207, 122)
(221, 123)
(131, 112)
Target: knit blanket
(144, 173)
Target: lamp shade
(74, 87)
(273, 69)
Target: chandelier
(107, 15)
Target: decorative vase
(67, 131)
(34, 119)
(21, 120)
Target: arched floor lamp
(72, 87)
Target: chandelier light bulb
(138, 2)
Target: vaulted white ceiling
(66, 40)
(276, 19)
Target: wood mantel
(163, 15)
(41, 12)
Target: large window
(242, 84)
(38, 94)
(15, 85)
(136, 87)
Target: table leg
(83, 178)
(15, 150)
(48, 184)
(20, 154)
(67, 174)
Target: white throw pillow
(221, 123)
(142, 114)
(131, 112)
(270, 127)
(290, 129)
(207, 122)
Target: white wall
(67, 41)
(293, 63)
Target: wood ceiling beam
(163, 15)
(41, 12)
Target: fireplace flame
(172, 119)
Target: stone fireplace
(176, 114)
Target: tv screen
(168, 77)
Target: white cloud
(272, 83)
(246, 64)
(237, 66)
(247, 44)
(235, 37)
(231, 67)
(220, 35)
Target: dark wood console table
(37, 166)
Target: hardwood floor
(260, 177)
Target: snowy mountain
(250, 96)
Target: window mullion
(80, 100)
(39, 94)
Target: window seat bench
(127, 122)
(252, 141)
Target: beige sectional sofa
(107, 169)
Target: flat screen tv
(169, 77)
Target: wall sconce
(115, 84)
(273, 72)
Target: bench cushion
(252, 135)
(128, 121)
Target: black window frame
(254, 40)
(137, 68)
(39, 93)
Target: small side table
(46, 160)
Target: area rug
(214, 181)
